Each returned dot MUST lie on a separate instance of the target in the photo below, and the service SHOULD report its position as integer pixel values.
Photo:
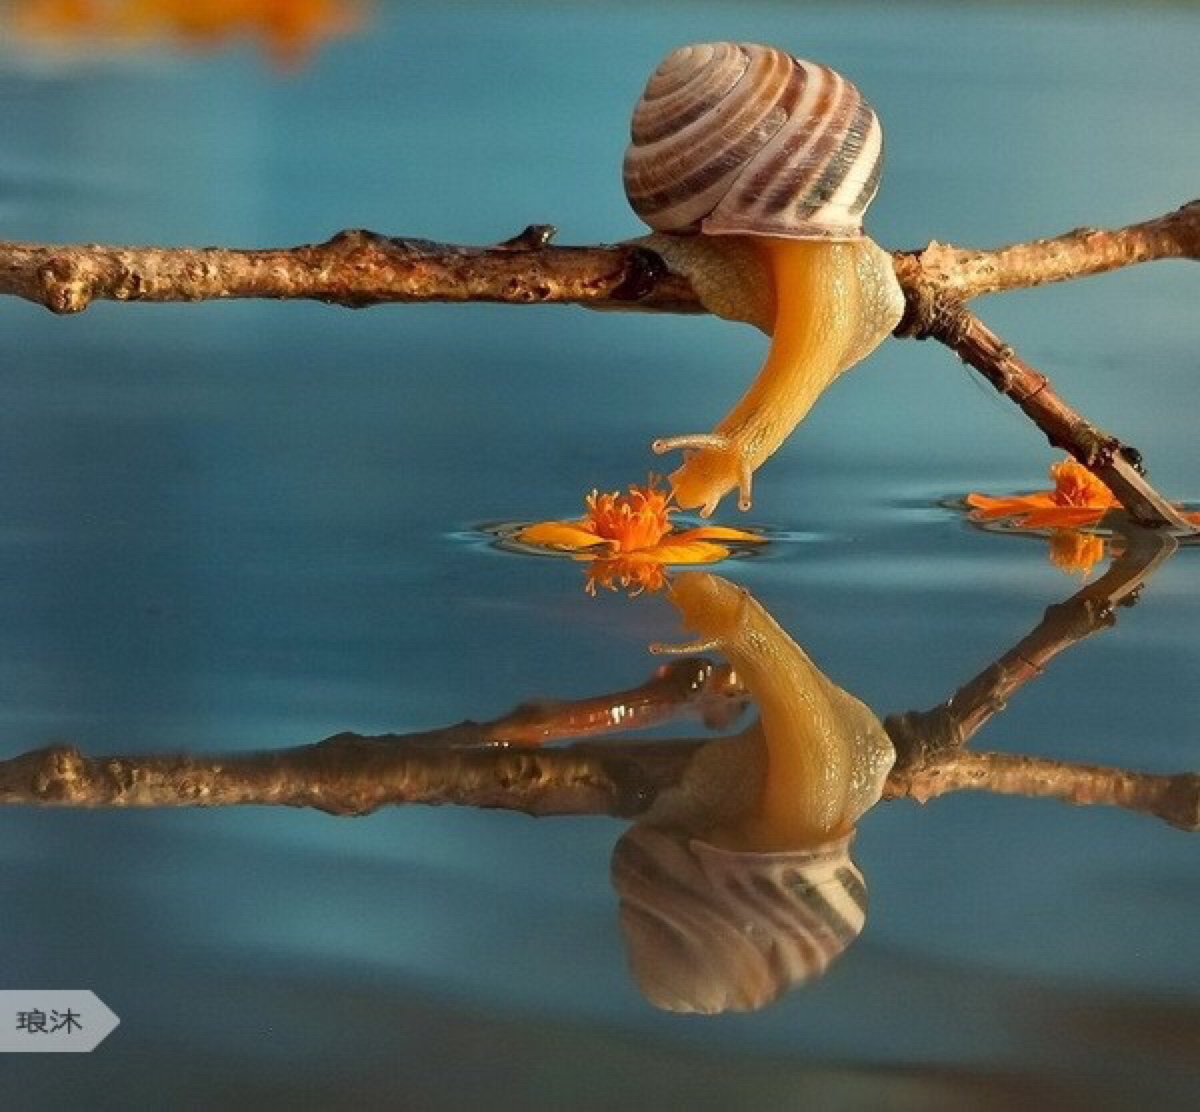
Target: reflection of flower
(1079, 499)
(628, 539)
(288, 29)
(1075, 551)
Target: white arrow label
(53, 1020)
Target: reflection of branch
(464, 765)
(352, 775)
(693, 684)
(930, 745)
(359, 268)
(921, 735)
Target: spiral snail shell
(744, 148)
(740, 139)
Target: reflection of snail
(738, 884)
(779, 158)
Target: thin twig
(696, 685)
(1118, 464)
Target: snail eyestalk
(687, 648)
(833, 304)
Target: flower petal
(1013, 506)
(716, 533)
(1065, 517)
(690, 552)
(559, 534)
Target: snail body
(736, 144)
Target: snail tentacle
(701, 645)
(713, 440)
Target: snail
(755, 169)
(737, 884)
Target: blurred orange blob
(289, 30)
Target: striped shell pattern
(710, 930)
(739, 139)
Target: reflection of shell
(734, 138)
(710, 930)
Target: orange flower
(628, 539)
(1078, 498)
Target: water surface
(237, 526)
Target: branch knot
(929, 313)
(64, 285)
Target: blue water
(242, 526)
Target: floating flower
(1079, 499)
(628, 539)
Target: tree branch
(358, 268)
(355, 268)
(353, 775)
(965, 273)
(361, 268)
(1118, 464)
